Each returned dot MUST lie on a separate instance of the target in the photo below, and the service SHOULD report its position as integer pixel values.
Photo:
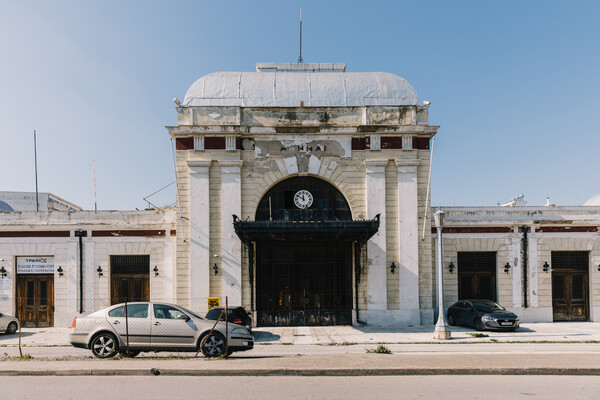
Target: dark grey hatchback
(482, 314)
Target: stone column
(408, 241)
(72, 274)
(199, 235)
(89, 274)
(515, 262)
(231, 250)
(533, 272)
(376, 247)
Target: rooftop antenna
(300, 58)
(37, 200)
(95, 201)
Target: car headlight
(488, 318)
(240, 331)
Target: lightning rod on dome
(300, 61)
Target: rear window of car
(133, 311)
(231, 313)
(214, 313)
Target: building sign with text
(35, 265)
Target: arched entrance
(304, 244)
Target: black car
(236, 315)
(482, 314)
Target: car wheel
(12, 328)
(478, 324)
(104, 345)
(451, 320)
(214, 345)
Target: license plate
(245, 343)
(506, 323)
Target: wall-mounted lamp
(546, 267)
(99, 270)
(393, 267)
(155, 269)
(216, 268)
(60, 271)
(3, 272)
(451, 267)
(507, 268)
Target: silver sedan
(8, 324)
(147, 326)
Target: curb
(309, 372)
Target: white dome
(593, 201)
(315, 86)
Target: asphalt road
(330, 388)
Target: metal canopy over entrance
(307, 252)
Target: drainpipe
(79, 234)
(525, 230)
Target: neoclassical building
(302, 195)
(304, 187)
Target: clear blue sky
(513, 84)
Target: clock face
(303, 199)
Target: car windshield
(487, 306)
(190, 312)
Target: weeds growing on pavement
(381, 349)
(478, 334)
(24, 357)
(221, 357)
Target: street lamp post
(441, 331)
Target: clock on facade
(303, 199)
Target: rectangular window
(130, 264)
(570, 260)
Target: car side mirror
(183, 317)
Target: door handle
(116, 322)
(157, 323)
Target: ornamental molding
(198, 164)
(376, 163)
(231, 163)
(407, 163)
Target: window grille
(139, 264)
(477, 261)
(570, 260)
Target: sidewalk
(324, 365)
(555, 349)
(339, 335)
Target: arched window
(289, 201)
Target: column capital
(199, 166)
(231, 163)
(375, 166)
(407, 166)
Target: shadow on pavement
(13, 336)
(262, 337)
